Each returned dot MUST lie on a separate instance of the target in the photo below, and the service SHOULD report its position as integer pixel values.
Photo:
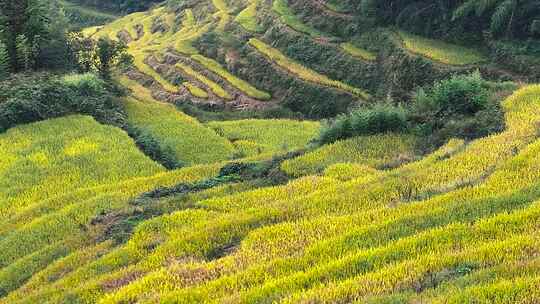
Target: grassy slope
(253, 137)
(370, 222)
(48, 159)
(88, 10)
(440, 51)
(452, 213)
(174, 130)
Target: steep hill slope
(247, 209)
(260, 54)
(465, 215)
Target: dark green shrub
(381, 118)
(26, 99)
(462, 95)
(152, 148)
(463, 106)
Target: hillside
(275, 151)
(446, 220)
(260, 54)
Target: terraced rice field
(88, 218)
(181, 30)
(184, 135)
(440, 51)
(376, 152)
(267, 137)
(48, 159)
(281, 8)
(181, 41)
(240, 84)
(214, 87)
(301, 71)
(459, 224)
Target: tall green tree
(24, 53)
(27, 26)
(4, 61)
(506, 17)
(111, 54)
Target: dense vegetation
(25, 99)
(257, 151)
(464, 106)
(123, 6)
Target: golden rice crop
(373, 151)
(240, 84)
(51, 158)
(380, 224)
(192, 142)
(303, 72)
(322, 239)
(253, 137)
(441, 51)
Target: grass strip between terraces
(240, 84)
(358, 52)
(214, 87)
(195, 90)
(247, 18)
(288, 17)
(302, 72)
(440, 51)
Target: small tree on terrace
(110, 54)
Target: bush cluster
(26, 99)
(151, 147)
(459, 107)
(380, 118)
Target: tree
(81, 51)
(29, 28)
(54, 51)
(100, 57)
(506, 17)
(4, 61)
(37, 20)
(111, 54)
(24, 53)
